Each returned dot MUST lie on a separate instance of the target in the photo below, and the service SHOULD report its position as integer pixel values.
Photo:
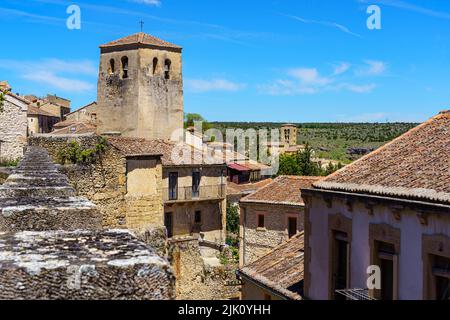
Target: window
(441, 274)
(168, 223)
(198, 217)
(167, 65)
(155, 65)
(124, 67)
(173, 185)
(292, 226)
(387, 261)
(341, 262)
(261, 222)
(112, 67)
(196, 184)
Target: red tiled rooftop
(282, 269)
(141, 38)
(283, 190)
(416, 165)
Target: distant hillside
(337, 141)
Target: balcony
(186, 194)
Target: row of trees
(302, 164)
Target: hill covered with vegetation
(343, 142)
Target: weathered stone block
(82, 265)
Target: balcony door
(173, 186)
(196, 184)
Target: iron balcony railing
(189, 193)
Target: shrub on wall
(73, 153)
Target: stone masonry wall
(13, 130)
(197, 281)
(255, 242)
(105, 183)
(53, 247)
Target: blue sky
(251, 60)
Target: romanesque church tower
(140, 87)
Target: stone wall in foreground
(82, 265)
(45, 255)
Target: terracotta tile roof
(75, 128)
(32, 110)
(282, 269)
(246, 188)
(166, 148)
(416, 165)
(283, 190)
(141, 38)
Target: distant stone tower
(140, 87)
(288, 135)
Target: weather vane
(142, 25)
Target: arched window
(167, 64)
(155, 64)
(124, 67)
(112, 67)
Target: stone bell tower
(140, 88)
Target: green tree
(233, 219)
(307, 166)
(288, 165)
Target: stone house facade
(40, 121)
(271, 216)
(277, 275)
(193, 193)
(390, 209)
(13, 126)
(126, 187)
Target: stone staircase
(52, 245)
(36, 197)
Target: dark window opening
(261, 221)
(173, 185)
(341, 263)
(198, 217)
(196, 184)
(124, 67)
(441, 272)
(292, 227)
(112, 67)
(386, 261)
(167, 65)
(168, 223)
(155, 65)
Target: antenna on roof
(142, 25)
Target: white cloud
(55, 73)
(156, 3)
(57, 82)
(372, 68)
(341, 68)
(308, 81)
(326, 24)
(309, 76)
(201, 85)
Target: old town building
(271, 216)
(13, 126)
(277, 275)
(390, 209)
(140, 88)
